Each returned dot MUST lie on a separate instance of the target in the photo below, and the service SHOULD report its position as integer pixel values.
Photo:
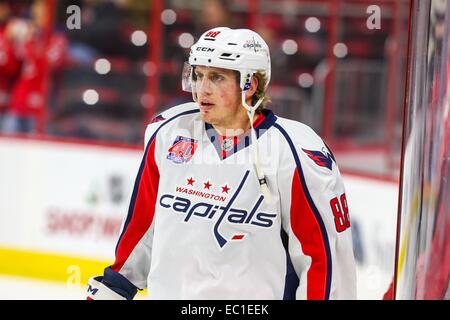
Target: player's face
(218, 96)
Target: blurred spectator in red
(9, 65)
(38, 56)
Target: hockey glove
(99, 291)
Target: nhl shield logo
(227, 144)
(182, 149)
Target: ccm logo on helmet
(206, 49)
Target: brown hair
(261, 90)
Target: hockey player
(231, 201)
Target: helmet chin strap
(194, 93)
(254, 147)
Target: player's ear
(253, 86)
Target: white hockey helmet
(242, 50)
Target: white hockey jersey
(198, 226)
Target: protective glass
(186, 77)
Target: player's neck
(236, 129)
(234, 126)
(231, 130)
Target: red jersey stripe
(258, 120)
(307, 230)
(143, 211)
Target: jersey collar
(225, 147)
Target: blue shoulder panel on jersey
(313, 207)
(141, 168)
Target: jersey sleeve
(315, 217)
(134, 247)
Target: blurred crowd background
(335, 67)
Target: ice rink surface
(21, 288)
